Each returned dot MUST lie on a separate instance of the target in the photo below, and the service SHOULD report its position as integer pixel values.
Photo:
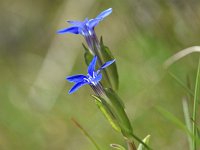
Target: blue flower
(85, 27)
(92, 78)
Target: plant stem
(131, 145)
(195, 107)
(85, 133)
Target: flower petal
(93, 22)
(91, 67)
(76, 78)
(104, 14)
(77, 86)
(74, 30)
(108, 63)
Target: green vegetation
(35, 109)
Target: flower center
(91, 79)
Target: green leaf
(119, 112)
(112, 93)
(105, 109)
(146, 141)
(198, 132)
(111, 72)
(117, 146)
(141, 142)
(174, 120)
(187, 120)
(85, 48)
(195, 107)
(87, 55)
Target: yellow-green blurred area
(35, 108)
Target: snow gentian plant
(104, 81)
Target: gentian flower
(86, 28)
(93, 77)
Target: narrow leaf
(111, 72)
(187, 120)
(104, 107)
(195, 107)
(174, 120)
(111, 92)
(85, 48)
(181, 54)
(146, 141)
(119, 112)
(87, 55)
(141, 142)
(86, 134)
(198, 131)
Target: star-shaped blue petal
(87, 26)
(92, 78)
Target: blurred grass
(35, 109)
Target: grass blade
(174, 120)
(106, 110)
(86, 133)
(146, 141)
(141, 142)
(187, 120)
(195, 107)
(180, 55)
(181, 83)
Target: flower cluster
(101, 53)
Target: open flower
(92, 78)
(86, 28)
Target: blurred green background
(35, 109)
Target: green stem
(85, 133)
(181, 83)
(140, 141)
(195, 108)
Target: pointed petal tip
(76, 78)
(70, 92)
(113, 60)
(73, 30)
(104, 13)
(60, 32)
(77, 86)
(91, 67)
(67, 78)
(109, 9)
